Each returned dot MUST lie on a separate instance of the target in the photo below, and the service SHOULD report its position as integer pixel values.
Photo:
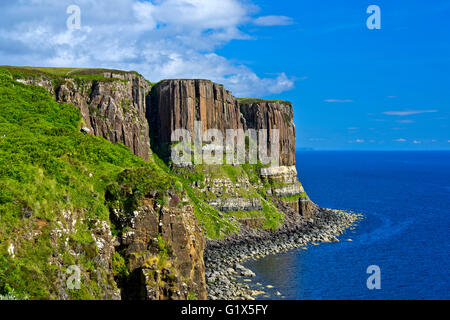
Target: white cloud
(400, 140)
(417, 142)
(357, 141)
(338, 100)
(407, 112)
(160, 39)
(273, 21)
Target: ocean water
(405, 198)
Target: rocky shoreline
(225, 275)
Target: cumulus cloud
(266, 21)
(160, 39)
(400, 140)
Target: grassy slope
(250, 101)
(57, 73)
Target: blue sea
(405, 199)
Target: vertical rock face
(164, 247)
(179, 228)
(113, 108)
(177, 104)
(272, 115)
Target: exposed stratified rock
(179, 228)
(151, 277)
(236, 204)
(177, 104)
(113, 108)
(271, 115)
(283, 180)
(228, 195)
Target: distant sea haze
(405, 197)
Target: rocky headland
(171, 232)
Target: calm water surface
(405, 197)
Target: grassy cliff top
(26, 72)
(193, 79)
(247, 101)
(55, 73)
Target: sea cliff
(156, 218)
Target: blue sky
(358, 88)
(352, 88)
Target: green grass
(214, 225)
(47, 166)
(59, 74)
(294, 198)
(250, 101)
(217, 227)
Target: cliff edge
(144, 220)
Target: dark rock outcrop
(272, 115)
(177, 104)
(164, 247)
